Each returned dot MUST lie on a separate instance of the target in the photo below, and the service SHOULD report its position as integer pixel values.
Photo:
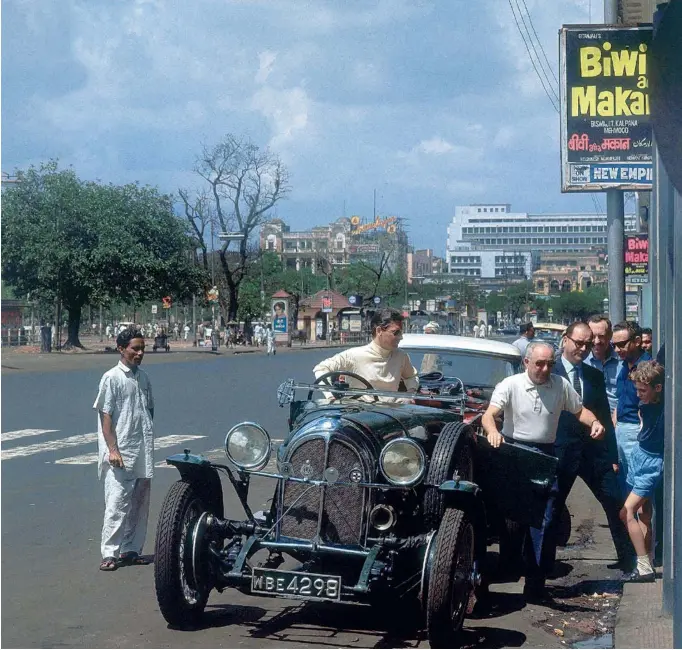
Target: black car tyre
(181, 601)
(450, 580)
(453, 453)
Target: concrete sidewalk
(639, 620)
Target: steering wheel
(328, 378)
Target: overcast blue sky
(433, 104)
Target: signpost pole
(615, 221)
(615, 226)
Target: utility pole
(615, 221)
(101, 331)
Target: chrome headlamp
(247, 446)
(402, 462)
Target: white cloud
(266, 60)
(435, 146)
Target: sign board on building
(430, 305)
(376, 300)
(389, 223)
(605, 121)
(327, 304)
(637, 259)
(363, 248)
(355, 300)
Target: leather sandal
(108, 564)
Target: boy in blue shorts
(645, 469)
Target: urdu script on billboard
(606, 128)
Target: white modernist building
(490, 241)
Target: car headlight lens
(247, 446)
(402, 462)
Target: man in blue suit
(595, 461)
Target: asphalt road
(53, 594)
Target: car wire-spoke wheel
(451, 579)
(181, 594)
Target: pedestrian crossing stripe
(82, 439)
(24, 433)
(53, 445)
(159, 443)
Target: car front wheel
(451, 579)
(181, 595)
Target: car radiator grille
(342, 506)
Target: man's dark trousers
(591, 460)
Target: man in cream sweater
(380, 362)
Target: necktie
(576, 381)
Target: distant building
(559, 272)
(489, 241)
(422, 263)
(338, 243)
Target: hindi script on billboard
(605, 127)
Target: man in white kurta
(125, 407)
(380, 362)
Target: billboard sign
(326, 304)
(280, 309)
(606, 127)
(636, 259)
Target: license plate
(294, 584)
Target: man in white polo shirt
(532, 403)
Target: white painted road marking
(24, 433)
(54, 445)
(159, 443)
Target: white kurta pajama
(382, 368)
(126, 396)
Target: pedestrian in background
(594, 461)
(270, 341)
(482, 330)
(646, 466)
(474, 329)
(527, 332)
(185, 329)
(532, 402)
(603, 357)
(647, 340)
(627, 340)
(125, 408)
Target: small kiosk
(279, 315)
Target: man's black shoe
(538, 597)
(636, 576)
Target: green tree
(579, 305)
(87, 243)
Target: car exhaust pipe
(382, 517)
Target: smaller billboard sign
(326, 304)
(280, 309)
(637, 259)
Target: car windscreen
(472, 369)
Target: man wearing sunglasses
(532, 403)
(627, 341)
(594, 460)
(380, 362)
